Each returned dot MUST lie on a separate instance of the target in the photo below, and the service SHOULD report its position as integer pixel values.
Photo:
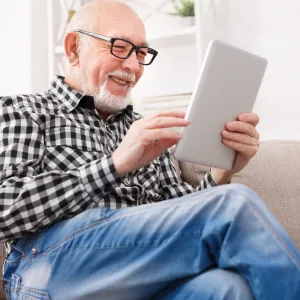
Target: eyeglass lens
(121, 49)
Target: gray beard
(104, 101)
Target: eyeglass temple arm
(94, 35)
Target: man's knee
(232, 200)
(214, 284)
(221, 284)
(237, 188)
(238, 194)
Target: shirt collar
(71, 98)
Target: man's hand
(242, 136)
(146, 139)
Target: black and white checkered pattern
(56, 161)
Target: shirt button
(33, 251)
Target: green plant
(186, 8)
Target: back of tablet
(227, 86)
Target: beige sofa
(274, 173)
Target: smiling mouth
(118, 80)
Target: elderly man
(82, 189)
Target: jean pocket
(7, 289)
(16, 291)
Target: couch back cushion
(274, 173)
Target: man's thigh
(134, 250)
(143, 223)
(214, 284)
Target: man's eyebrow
(144, 44)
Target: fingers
(165, 144)
(176, 114)
(242, 127)
(156, 128)
(246, 150)
(164, 119)
(239, 138)
(242, 136)
(165, 122)
(251, 118)
(160, 134)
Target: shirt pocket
(73, 137)
(70, 147)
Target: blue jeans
(220, 243)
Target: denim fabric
(156, 251)
(210, 285)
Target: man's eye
(119, 47)
(142, 53)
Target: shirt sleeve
(172, 186)
(31, 198)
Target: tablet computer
(227, 86)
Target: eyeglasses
(123, 49)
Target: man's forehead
(135, 37)
(136, 41)
(121, 23)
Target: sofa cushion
(274, 173)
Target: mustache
(126, 75)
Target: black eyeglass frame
(112, 41)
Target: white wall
(39, 46)
(15, 50)
(270, 28)
(277, 37)
(23, 51)
(174, 70)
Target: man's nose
(131, 63)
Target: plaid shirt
(56, 161)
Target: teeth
(119, 80)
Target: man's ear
(71, 43)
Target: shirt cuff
(99, 177)
(209, 179)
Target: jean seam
(7, 288)
(281, 242)
(88, 227)
(255, 281)
(107, 248)
(256, 211)
(30, 292)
